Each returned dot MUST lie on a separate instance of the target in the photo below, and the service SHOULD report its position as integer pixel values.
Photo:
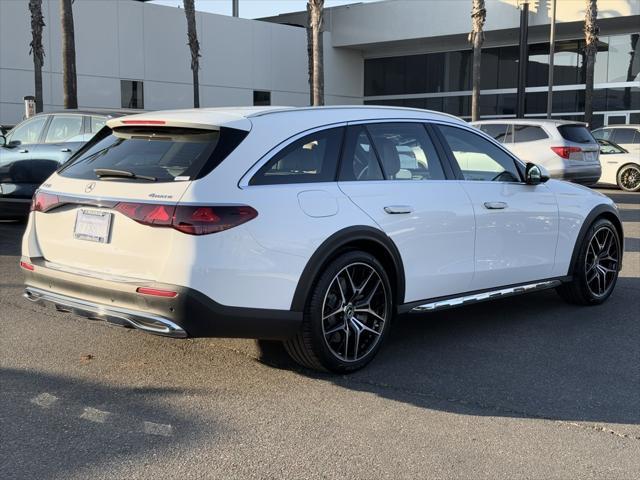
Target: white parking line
(44, 400)
(95, 415)
(151, 428)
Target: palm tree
(315, 8)
(194, 46)
(69, 77)
(590, 49)
(37, 50)
(476, 38)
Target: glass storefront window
(567, 64)
(623, 98)
(416, 74)
(458, 71)
(623, 59)
(436, 72)
(459, 106)
(489, 68)
(488, 105)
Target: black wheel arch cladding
(366, 238)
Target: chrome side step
(481, 297)
(111, 314)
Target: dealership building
(411, 53)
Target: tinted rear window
(496, 130)
(164, 154)
(528, 133)
(576, 133)
(625, 135)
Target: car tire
(347, 315)
(628, 178)
(595, 272)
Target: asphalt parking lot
(525, 387)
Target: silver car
(566, 149)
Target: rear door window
(64, 128)
(498, 131)
(359, 159)
(152, 154)
(576, 133)
(528, 133)
(311, 159)
(406, 151)
(625, 135)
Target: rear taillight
(193, 220)
(147, 213)
(565, 152)
(205, 220)
(43, 201)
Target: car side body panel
(575, 204)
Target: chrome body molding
(111, 314)
(488, 295)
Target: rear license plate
(590, 156)
(93, 225)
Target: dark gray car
(36, 147)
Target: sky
(255, 8)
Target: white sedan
(619, 166)
(314, 226)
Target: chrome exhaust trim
(111, 314)
(480, 297)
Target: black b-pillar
(522, 63)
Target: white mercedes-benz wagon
(314, 226)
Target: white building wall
(388, 21)
(123, 39)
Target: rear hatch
(111, 208)
(581, 145)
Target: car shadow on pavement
(52, 426)
(10, 235)
(533, 356)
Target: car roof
(240, 117)
(528, 121)
(631, 125)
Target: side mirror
(535, 175)
(3, 140)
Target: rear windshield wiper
(110, 173)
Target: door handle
(495, 205)
(65, 150)
(23, 151)
(396, 209)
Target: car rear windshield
(576, 133)
(164, 154)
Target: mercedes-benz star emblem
(90, 187)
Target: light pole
(552, 50)
(235, 8)
(523, 57)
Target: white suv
(314, 226)
(566, 149)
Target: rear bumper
(583, 174)
(189, 314)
